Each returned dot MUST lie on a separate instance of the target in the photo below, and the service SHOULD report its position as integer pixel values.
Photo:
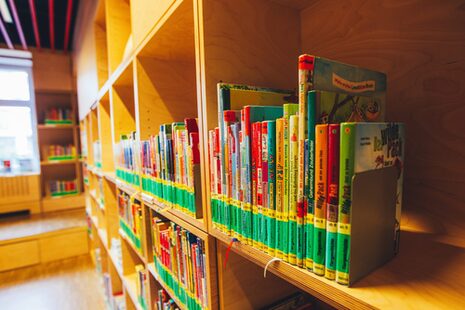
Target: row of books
(125, 152)
(170, 165)
(62, 187)
(97, 152)
(130, 213)
(269, 160)
(58, 116)
(141, 285)
(60, 152)
(115, 300)
(183, 255)
(164, 301)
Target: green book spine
(346, 166)
(271, 205)
(311, 180)
(293, 174)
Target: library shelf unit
(50, 133)
(165, 66)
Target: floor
(68, 284)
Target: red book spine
(191, 125)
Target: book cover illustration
(334, 107)
(365, 146)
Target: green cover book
(364, 147)
(310, 187)
(270, 214)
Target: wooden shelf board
(130, 283)
(63, 202)
(165, 211)
(43, 126)
(199, 223)
(110, 176)
(408, 280)
(128, 189)
(133, 247)
(58, 162)
(154, 273)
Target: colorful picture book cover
(335, 108)
(365, 146)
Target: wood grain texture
(52, 71)
(21, 254)
(63, 246)
(105, 133)
(118, 28)
(238, 279)
(29, 226)
(68, 284)
(50, 204)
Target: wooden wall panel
(421, 47)
(84, 56)
(52, 71)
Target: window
(18, 134)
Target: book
(304, 76)
(293, 174)
(364, 147)
(236, 97)
(319, 220)
(249, 115)
(257, 183)
(332, 200)
(335, 107)
(289, 109)
(279, 186)
(269, 212)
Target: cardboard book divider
(373, 218)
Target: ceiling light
(5, 12)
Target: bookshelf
(198, 43)
(53, 134)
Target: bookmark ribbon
(274, 259)
(226, 256)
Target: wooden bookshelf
(58, 134)
(159, 64)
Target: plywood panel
(105, 133)
(421, 47)
(18, 255)
(144, 16)
(64, 203)
(52, 71)
(19, 189)
(118, 26)
(63, 246)
(166, 93)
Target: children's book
(279, 185)
(319, 220)
(364, 147)
(332, 200)
(293, 174)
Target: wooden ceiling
(37, 23)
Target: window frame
(22, 62)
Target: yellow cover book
(279, 185)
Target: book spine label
(346, 166)
(293, 176)
(246, 175)
(319, 236)
(279, 185)
(285, 217)
(309, 226)
(332, 201)
(271, 206)
(305, 68)
(263, 209)
(256, 179)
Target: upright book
(364, 147)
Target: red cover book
(194, 142)
(194, 269)
(191, 125)
(257, 186)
